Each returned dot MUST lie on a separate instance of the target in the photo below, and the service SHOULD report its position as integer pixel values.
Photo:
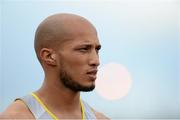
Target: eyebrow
(90, 45)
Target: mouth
(92, 74)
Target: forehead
(81, 40)
(77, 32)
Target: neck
(57, 97)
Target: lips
(92, 74)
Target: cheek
(76, 60)
(75, 65)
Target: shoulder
(101, 116)
(17, 110)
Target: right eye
(83, 49)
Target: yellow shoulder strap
(45, 108)
(50, 113)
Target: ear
(48, 56)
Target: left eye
(97, 50)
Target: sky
(140, 48)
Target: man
(67, 47)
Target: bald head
(59, 27)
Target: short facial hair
(73, 85)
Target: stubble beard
(73, 85)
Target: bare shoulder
(17, 110)
(100, 116)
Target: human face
(78, 62)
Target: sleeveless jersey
(40, 113)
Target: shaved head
(57, 28)
(67, 47)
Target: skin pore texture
(67, 48)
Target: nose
(94, 59)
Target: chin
(89, 83)
(88, 87)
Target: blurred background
(139, 74)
